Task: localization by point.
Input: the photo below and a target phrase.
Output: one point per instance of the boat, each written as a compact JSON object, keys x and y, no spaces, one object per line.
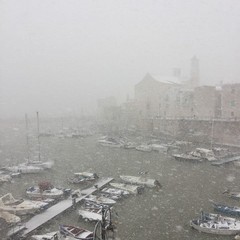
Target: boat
{"x":19,"y":207}
{"x":127,"y":187}
{"x":91,"y":212}
{"x":44,"y":190}
{"x":231,"y":194}
{"x":141,"y":181}
{"x":217,"y":225}
{"x":159,"y":148}
{"x":10,"y":218}
{"x":187,"y":157}
{"x":110,"y":142}
{"x":37,"y":163}
{"x":204,"y":154}
{"x":144,"y":148}
{"x":114,"y":193}
{"x":100,"y":199}
{"x":129,"y":145}
{"x":24,"y":169}
{"x":75,"y":232}
{"x":82,"y":177}
{"x":235,"y":211}
{"x":48,"y":236}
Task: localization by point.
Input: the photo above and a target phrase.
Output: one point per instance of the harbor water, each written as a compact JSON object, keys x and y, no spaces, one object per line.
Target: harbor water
{"x":188,"y":188}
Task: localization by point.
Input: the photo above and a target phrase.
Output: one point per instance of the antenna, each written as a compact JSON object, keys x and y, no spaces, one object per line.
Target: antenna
{"x":27,"y":139}
{"x":38,"y":136}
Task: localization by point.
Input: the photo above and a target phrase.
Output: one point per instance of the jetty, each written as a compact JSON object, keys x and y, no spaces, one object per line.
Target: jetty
{"x":50,"y":213}
{"x":226,"y":160}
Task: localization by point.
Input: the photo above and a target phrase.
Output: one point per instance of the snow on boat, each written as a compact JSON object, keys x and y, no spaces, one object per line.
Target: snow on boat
{"x":235,"y":211}
{"x":76,"y":232}
{"x":129,"y":145}
{"x":234,"y":195}
{"x":44,"y":190}
{"x":114,"y":192}
{"x":187,"y":157}
{"x":216,"y":225}
{"x":159,"y":148}
{"x":48,"y":236}
{"x":5,"y":178}
{"x":100,"y":199}
{"x":141,"y":181}
{"x":19,"y":207}
{"x":91,"y":212}
{"x":82,"y":177}
{"x":110,"y":142}
{"x":10,"y":218}
{"x":40,"y":164}
{"x":22,"y":168}
{"x":144,"y":148}
{"x":127,"y":187}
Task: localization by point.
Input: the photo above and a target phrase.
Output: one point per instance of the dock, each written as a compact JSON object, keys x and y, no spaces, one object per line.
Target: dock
{"x":50,"y":213}
{"x":227,"y":160}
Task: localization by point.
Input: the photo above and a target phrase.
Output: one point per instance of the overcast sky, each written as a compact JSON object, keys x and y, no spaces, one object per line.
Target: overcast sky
{"x":60,"y":56}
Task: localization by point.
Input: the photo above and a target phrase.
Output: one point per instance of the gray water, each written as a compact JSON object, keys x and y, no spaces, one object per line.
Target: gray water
{"x":187,"y":189}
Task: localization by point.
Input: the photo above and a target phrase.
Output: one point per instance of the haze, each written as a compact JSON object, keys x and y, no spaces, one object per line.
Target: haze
{"x":59,"y":57}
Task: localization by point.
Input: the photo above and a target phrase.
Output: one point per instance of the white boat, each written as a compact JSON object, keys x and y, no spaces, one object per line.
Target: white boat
{"x":40,"y":164}
{"x":127,"y":187}
{"x":19,"y":207}
{"x":129,"y":145}
{"x":10,"y":218}
{"x":48,"y":236}
{"x":100,"y":199}
{"x":110,"y":142}
{"x":159,"y":148}
{"x":22,"y":168}
{"x":81,"y":177}
{"x":141,"y":181}
{"x":115,"y":191}
{"x":91,"y":212}
{"x":144,"y":148}
{"x":216,"y":225}
{"x":44,"y":190}
{"x":76,"y":232}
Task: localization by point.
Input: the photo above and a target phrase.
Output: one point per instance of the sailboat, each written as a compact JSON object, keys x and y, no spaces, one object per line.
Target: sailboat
{"x":37,"y":163}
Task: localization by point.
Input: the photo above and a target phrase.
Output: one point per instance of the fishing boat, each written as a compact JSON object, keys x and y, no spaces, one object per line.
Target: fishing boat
{"x":19,"y":207}
{"x":75,"y":232}
{"x":141,"y":181}
{"x":219,"y":225}
{"x":82,"y":177}
{"x":44,"y":190}
{"x":235,"y":211}
{"x":100,"y":199}
{"x":127,"y":187}
{"x":5,"y":178}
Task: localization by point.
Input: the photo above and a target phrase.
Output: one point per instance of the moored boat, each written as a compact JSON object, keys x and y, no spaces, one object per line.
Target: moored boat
{"x":144,"y":148}
{"x":141,"y":181}
{"x":187,"y":157}
{"x":76,"y":232}
{"x":127,"y":187}
{"x":217,"y":225}
{"x":81,"y":177}
{"x":10,"y":218}
{"x":235,"y":211}
{"x":44,"y":190}
{"x":48,"y":236}
{"x":100,"y":199}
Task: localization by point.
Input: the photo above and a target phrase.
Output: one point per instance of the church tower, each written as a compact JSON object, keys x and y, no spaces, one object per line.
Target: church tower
{"x":194,"y":74}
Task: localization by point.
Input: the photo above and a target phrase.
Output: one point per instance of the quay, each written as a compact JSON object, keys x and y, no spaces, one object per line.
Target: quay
{"x":50,"y":213}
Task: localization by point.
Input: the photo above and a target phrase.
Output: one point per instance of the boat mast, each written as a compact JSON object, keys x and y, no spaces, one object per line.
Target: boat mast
{"x":27,"y":139}
{"x":38,"y":136}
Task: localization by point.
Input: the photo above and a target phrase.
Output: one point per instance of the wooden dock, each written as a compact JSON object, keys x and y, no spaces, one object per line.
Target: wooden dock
{"x":50,"y":213}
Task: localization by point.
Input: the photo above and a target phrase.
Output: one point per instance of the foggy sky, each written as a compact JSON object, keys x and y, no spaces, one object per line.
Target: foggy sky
{"x":60,"y":56}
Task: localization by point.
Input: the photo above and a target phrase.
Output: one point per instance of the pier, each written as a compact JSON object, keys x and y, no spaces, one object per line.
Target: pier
{"x":50,"y":213}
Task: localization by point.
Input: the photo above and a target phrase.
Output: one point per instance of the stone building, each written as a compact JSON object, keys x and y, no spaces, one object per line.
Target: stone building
{"x":230,"y":101}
